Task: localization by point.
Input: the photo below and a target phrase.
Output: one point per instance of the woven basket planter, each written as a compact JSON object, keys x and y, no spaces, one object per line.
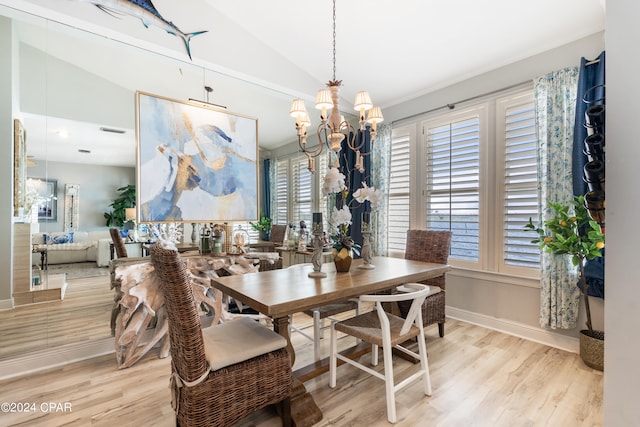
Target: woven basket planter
{"x":592,"y":348}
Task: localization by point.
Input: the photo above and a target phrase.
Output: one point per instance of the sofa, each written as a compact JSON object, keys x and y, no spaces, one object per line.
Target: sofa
{"x":77,"y":246}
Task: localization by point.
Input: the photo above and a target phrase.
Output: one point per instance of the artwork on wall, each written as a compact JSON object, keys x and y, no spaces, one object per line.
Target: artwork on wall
{"x":195,"y":163}
{"x":71,"y":206}
{"x":19,"y":168}
{"x":43,"y":194}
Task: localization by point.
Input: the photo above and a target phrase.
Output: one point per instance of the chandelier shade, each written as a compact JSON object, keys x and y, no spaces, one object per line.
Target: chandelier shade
{"x":363,"y":102}
{"x":298,"y":109}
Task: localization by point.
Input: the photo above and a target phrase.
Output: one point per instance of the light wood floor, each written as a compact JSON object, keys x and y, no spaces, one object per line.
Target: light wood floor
{"x":480,"y":378}
{"x":83,"y":315}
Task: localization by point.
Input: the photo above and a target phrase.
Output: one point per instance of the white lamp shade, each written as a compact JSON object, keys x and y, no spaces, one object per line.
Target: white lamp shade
{"x":323,"y":99}
{"x":298,"y":109}
{"x":363,"y":101}
{"x":375,"y":115}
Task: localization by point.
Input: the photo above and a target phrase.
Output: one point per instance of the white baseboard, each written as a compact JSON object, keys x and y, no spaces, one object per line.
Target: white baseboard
{"x":521,"y":330}
{"x":6,"y":304}
{"x":56,"y":356}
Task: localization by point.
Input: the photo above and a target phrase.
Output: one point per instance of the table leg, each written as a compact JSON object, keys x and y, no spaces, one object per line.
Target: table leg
{"x":281,"y":326}
{"x":304,"y":410}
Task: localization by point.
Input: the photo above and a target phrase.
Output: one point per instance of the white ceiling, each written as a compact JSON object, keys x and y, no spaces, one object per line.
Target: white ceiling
{"x":397,"y":50}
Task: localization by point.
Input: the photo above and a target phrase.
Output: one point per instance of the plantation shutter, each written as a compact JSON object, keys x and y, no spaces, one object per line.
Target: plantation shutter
{"x":453,"y":183}
{"x":280,"y":214}
{"x":398,"y":206}
{"x":520,"y":195}
{"x":302,"y":200}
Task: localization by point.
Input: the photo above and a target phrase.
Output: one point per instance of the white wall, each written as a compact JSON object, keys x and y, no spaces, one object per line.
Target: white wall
{"x":622,"y":343}
{"x":98,"y":185}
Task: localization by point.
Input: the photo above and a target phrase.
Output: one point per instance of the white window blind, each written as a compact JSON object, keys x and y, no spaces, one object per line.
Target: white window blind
{"x":453,"y":182}
{"x":399,"y":203}
{"x":516,"y":117}
{"x":280,"y":211}
{"x":297,"y":194}
{"x":302,"y":190}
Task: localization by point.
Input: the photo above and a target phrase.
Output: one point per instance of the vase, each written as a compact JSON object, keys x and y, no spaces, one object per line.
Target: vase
{"x":592,"y":348}
{"x":342,"y":260}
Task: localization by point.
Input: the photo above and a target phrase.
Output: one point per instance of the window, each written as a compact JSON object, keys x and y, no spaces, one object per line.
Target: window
{"x":297,"y":191}
{"x":452,"y":184}
{"x":472,"y":171}
{"x":302,"y":191}
{"x":399,"y":182}
{"x":280,"y":214}
{"x":519,"y":192}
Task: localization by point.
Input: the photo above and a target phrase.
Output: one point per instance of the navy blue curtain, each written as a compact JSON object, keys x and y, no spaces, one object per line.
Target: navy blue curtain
{"x":590,"y":93}
{"x":266,"y":188}
{"x":354,"y":180}
{"x":590,"y":100}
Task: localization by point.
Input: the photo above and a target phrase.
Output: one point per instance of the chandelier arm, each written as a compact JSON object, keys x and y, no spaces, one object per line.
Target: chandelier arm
{"x":313,"y":153}
{"x":351,"y":141}
{"x":324,"y":129}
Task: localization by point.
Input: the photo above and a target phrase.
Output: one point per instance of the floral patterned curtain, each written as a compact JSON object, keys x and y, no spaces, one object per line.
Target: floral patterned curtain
{"x":555,"y":98}
{"x":381,"y":153}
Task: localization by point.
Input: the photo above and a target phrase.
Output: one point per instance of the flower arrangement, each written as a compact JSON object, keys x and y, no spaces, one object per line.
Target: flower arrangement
{"x":571,"y":231}
{"x":340,"y":218}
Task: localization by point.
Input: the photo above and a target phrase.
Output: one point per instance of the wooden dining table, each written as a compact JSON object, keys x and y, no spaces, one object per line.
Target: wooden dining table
{"x":280,"y":293}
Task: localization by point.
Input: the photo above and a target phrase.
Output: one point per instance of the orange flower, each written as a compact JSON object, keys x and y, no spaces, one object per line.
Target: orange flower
{"x":599,"y":245}
{"x":548,"y":239}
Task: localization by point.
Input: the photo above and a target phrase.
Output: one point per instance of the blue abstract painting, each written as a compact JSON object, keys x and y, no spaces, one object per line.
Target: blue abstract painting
{"x":195,"y":163}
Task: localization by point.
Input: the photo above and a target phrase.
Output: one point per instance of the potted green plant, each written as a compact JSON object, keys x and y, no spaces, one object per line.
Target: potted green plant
{"x":116,"y":217}
{"x":572,"y":232}
{"x":263,"y":226}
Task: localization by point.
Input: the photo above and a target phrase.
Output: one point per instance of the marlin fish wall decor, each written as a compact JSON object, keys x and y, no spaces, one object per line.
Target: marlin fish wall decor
{"x":147,"y":13}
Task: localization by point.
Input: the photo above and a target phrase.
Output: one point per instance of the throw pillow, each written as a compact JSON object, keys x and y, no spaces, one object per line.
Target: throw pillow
{"x":57,"y":240}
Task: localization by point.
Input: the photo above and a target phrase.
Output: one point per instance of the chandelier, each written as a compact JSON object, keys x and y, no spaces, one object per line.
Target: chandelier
{"x":334,"y":129}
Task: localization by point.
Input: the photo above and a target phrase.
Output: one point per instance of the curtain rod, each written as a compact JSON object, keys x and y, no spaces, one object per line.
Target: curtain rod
{"x":452,"y":106}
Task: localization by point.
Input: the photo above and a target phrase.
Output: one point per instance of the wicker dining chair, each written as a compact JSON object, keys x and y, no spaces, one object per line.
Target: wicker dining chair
{"x":118,"y":243}
{"x":225,"y":372}
{"x":277,"y":234}
{"x":429,"y":246}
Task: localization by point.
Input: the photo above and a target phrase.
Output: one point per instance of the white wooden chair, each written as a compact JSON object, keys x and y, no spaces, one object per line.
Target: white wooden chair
{"x":389,"y":331}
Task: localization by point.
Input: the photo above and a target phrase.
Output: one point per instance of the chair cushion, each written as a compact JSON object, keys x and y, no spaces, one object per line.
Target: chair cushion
{"x":239,"y":340}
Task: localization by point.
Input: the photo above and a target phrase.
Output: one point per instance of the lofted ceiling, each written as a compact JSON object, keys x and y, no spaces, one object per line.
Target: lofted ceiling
{"x":281,"y":50}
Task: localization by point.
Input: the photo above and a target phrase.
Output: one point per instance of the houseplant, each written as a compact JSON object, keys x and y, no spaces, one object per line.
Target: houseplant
{"x":572,"y":232}
{"x":263,"y":226}
{"x":117,"y":216}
